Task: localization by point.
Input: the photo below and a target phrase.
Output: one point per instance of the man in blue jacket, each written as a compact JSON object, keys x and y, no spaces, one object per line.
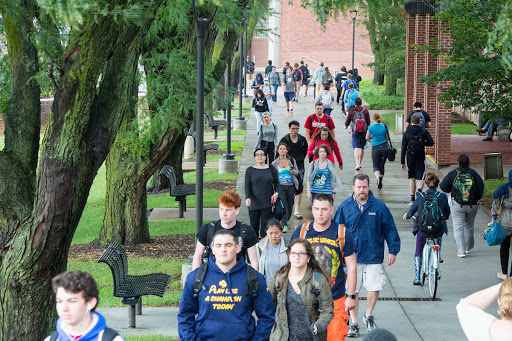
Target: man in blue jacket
{"x":224,"y":304}
{"x":370,"y":222}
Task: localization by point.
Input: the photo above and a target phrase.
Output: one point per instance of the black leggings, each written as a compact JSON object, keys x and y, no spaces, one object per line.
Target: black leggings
{"x":379,"y":157}
{"x":258,"y":219}
{"x":287,"y":194}
{"x":504,"y":254}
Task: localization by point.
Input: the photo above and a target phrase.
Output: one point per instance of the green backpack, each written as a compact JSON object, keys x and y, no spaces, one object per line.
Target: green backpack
{"x":463,"y":188}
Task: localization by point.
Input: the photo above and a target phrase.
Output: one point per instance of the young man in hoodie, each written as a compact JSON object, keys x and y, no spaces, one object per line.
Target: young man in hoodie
{"x":414,"y":141}
{"x":370,"y":223}
{"x":223,"y":309}
{"x":76,"y":296}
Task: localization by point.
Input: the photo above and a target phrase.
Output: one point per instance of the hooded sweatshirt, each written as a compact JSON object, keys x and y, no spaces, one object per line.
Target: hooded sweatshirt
{"x":223,"y":310}
{"x":94,"y":333}
{"x":414,"y":130}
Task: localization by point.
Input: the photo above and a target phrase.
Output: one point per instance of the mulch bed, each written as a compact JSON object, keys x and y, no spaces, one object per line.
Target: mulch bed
{"x":179,"y":245}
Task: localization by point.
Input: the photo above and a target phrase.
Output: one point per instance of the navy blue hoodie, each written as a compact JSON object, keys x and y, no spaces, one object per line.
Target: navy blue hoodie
{"x":225,"y":313}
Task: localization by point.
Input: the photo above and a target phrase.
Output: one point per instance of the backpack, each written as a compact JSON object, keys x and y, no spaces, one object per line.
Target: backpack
{"x":326,"y":98}
{"x":421,"y":114}
{"x":305,"y":72}
{"x":297,"y":75}
{"x":358,"y":122}
{"x":250,"y":66}
{"x":109,"y":334}
{"x":416,"y":145}
{"x":352,"y":95}
{"x":252,"y":284}
{"x":430,"y":215}
{"x":209,"y":239}
{"x":463,"y":188}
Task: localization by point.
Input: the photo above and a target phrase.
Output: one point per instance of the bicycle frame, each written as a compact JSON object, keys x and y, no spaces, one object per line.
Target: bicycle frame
{"x":430,"y":266}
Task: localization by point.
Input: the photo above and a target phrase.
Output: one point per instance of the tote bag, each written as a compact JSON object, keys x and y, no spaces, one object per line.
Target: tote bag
{"x":495,"y":235}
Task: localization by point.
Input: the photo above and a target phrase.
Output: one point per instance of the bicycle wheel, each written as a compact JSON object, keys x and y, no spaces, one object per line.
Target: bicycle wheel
{"x":432,"y":275}
{"x":424,"y":268}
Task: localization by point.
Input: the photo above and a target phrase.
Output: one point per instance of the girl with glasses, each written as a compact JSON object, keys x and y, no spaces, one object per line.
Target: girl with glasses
{"x":302,"y":296}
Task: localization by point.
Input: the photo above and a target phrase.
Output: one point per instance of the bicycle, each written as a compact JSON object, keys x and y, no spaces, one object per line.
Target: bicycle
{"x":430,"y":267}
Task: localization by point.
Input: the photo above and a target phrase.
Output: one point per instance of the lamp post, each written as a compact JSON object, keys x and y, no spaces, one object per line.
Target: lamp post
{"x":353,"y":16}
{"x":242,"y":78}
{"x":201,"y":28}
{"x":245,"y":53}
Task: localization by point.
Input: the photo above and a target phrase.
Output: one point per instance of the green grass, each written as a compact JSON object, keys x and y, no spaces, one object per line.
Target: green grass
{"x":463,"y":129}
{"x":149,"y":338}
{"x":224,"y":132}
{"x":374,"y":96}
{"x":210,"y":199}
{"x":390,"y":119}
{"x":136,"y":266}
{"x":491,"y":185}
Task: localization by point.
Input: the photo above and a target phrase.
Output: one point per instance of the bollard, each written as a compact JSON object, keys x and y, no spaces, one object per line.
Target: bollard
{"x":399,"y":123}
{"x":188,"y":149}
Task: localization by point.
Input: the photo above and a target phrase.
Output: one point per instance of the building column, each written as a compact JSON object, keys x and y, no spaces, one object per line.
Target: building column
{"x":274,"y":39}
{"x":430,"y":92}
{"x":410,"y":81}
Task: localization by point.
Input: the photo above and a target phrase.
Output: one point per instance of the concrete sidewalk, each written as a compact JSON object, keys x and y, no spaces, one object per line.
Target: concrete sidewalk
{"x":403,"y":312}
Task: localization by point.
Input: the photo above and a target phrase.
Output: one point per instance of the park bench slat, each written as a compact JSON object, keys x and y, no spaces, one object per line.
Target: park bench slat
{"x":180,"y":192}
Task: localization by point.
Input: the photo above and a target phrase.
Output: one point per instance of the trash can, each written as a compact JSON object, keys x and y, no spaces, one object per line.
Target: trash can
{"x":493,"y":166}
{"x":399,"y":123}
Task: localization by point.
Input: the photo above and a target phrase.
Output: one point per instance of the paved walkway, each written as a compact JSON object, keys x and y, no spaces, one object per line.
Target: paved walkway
{"x":408,"y":320}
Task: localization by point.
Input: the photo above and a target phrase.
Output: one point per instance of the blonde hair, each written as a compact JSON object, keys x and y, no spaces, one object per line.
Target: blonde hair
{"x":376,"y":117}
{"x":262,"y":119}
{"x":505,"y":300}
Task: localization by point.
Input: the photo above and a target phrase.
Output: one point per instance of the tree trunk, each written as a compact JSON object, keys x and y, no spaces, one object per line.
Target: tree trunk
{"x":390,"y":85}
{"x":86,"y":115}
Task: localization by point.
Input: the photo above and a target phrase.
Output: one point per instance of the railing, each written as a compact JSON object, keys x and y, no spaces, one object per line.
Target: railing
{"x":316,"y":61}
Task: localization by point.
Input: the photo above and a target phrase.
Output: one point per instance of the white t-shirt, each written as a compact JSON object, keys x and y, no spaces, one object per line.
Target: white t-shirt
{"x":475,"y":322}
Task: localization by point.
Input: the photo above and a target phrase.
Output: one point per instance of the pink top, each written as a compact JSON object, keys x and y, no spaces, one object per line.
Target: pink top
{"x":314,"y":143}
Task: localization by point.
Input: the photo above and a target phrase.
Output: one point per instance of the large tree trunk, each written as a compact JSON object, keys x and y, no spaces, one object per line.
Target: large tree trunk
{"x":390,"y":85}
{"x":86,"y":115}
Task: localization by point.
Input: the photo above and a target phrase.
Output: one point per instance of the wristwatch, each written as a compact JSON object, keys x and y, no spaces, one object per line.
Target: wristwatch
{"x":352,"y":296}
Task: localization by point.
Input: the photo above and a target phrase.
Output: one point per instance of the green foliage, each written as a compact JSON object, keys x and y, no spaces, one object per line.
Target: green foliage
{"x":500,"y":40}
{"x":491,"y":185}
{"x":390,"y":119}
{"x":375,"y":97}
{"x":478,"y":80}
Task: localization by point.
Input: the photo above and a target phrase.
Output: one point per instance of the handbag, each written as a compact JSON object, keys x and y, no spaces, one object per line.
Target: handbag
{"x":494,"y":234}
{"x":391,"y":150}
{"x":278,"y":209}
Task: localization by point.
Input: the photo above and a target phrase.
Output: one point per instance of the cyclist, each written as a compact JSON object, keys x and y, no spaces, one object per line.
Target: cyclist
{"x":432,"y":181}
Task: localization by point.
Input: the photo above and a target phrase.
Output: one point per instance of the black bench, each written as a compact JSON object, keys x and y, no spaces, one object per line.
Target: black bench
{"x":214,"y":124}
{"x":206,"y":148}
{"x":132,"y":288}
{"x":180,"y":192}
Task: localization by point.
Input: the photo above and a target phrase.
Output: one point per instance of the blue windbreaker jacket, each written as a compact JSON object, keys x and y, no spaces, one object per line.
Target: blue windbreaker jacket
{"x":225,"y":313}
{"x":369,"y":228}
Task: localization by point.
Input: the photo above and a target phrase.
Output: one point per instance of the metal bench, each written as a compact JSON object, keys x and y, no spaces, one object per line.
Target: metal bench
{"x":132,"y":288}
{"x":206,"y":148}
{"x":180,"y":192}
{"x":214,"y":124}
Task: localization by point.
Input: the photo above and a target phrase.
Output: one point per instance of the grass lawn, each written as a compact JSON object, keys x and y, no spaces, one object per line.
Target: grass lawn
{"x":374,"y":96}
{"x":223,"y":132}
{"x":491,"y":185}
{"x":463,"y":129}
{"x":390,"y":119}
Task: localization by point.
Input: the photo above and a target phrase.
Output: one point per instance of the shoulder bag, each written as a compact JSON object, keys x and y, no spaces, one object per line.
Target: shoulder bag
{"x":391,"y":150}
{"x":494,"y":234}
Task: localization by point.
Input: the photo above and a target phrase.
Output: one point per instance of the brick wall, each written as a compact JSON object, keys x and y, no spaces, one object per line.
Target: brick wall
{"x":302,"y":35}
{"x":259,"y":51}
{"x":421,"y":29}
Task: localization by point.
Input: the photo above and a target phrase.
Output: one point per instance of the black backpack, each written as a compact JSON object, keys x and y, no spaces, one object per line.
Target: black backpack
{"x":252,"y":284}
{"x":430,"y":214}
{"x":416,"y":145}
{"x":296,"y":75}
{"x":463,"y":188}
{"x":209,"y":240}
{"x":109,"y":334}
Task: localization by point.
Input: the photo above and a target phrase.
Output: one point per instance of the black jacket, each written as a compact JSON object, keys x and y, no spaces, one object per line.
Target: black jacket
{"x":297,"y":150}
{"x":447,"y":183}
{"x":414,"y":130}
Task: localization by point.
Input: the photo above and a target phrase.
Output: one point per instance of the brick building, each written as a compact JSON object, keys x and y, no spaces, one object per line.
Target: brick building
{"x":297,"y":35}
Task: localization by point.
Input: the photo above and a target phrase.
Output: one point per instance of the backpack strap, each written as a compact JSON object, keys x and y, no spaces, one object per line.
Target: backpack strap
{"x":54,"y":336}
{"x":199,"y":280}
{"x":243,"y":232}
{"x":304,"y":228}
{"x":209,"y":239}
{"x":252,"y":282}
{"x":109,"y":334}
{"x":341,"y":238}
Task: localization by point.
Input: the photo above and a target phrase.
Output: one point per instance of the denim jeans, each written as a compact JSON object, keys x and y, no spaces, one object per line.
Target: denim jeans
{"x":274,"y":98}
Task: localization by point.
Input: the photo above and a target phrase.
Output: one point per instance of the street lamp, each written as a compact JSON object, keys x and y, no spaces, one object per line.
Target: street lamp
{"x":245,"y":53}
{"x":353,"y":16}
{"x":242,"y":68}
{"x":201,"y":28}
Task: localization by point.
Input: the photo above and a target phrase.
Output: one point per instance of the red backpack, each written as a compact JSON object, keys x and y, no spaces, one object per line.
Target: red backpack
{"x":358,"y":122}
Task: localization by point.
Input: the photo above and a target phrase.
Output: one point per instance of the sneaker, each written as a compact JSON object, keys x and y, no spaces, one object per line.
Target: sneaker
{"x":370,"y":323}
{"x":353,"y":330}
{"x":416,"y":282}
{"x":285,"y":228}
{"x":358,"y":167}
{"x":502,"y":276}
{"x":487,"y":139}
{"x":461,"y":255}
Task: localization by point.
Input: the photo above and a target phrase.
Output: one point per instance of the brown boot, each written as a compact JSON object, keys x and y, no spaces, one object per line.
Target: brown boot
{"x":487,"y":139}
